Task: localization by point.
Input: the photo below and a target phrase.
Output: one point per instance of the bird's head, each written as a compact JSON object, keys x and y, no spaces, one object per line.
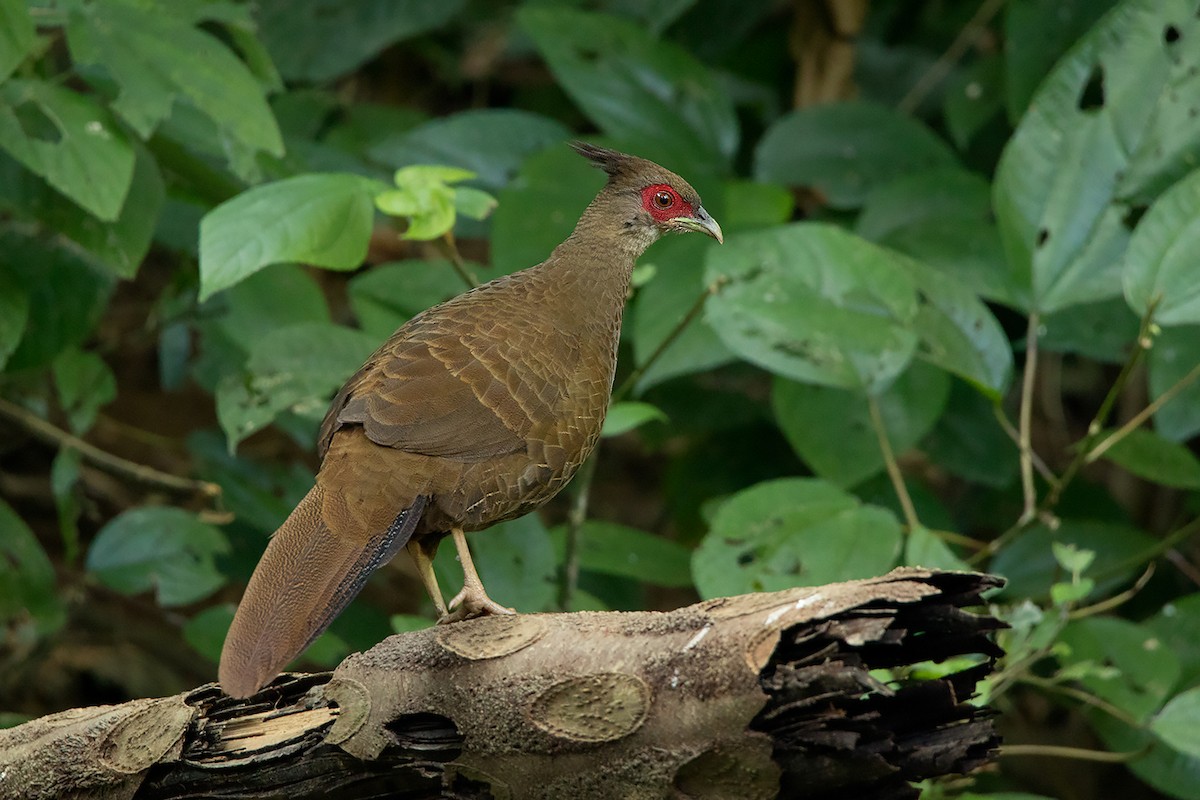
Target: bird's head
{"x":648,"y":199}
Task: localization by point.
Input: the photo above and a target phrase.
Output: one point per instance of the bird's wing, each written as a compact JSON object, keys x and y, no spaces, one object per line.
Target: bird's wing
{"x":444,"y":387}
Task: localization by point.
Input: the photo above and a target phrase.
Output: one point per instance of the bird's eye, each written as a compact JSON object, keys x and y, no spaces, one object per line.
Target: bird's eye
{"x":663,"y":199}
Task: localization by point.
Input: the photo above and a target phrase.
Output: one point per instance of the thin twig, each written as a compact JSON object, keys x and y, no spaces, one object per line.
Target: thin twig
{"x":1058,"y":751}
{"x":1096,"y":426}
{"x":636,"y":375}
{"x":945,"y":63}
{"x":575,"y":519}
{"x":1025,"y":422}
{"x":1040,"y":465}
{"x":1181,"y":563}
{"x":1087,"y":698}
{"x":1117,"y":599}
{"x":450,"y":247}
{"x":1137,"y":419}
{"x":893,"y":469}
{"x":115,"y":464}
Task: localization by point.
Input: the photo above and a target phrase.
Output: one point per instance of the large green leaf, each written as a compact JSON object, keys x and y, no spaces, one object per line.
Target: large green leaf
{"x":969,"y":442}
{"x":67,"y":293}
{"x":1104,"y":331}
{"x":388,"y":295}
{"x":1175,"y":354}
{"x":161,"y":548}
{"x":1148,"y":455}
{"x":843,"y":150}
{"x":319,"y":40}
{"x":294,"y":368}
{"x":159,"y":58}
{"x":492,"y":142}
{"x":85,"y":384}
{"x":14,"y":313}
{"x":1160,"y":265}
{"x":1110,"y":126}
{"x":322,"y":219}
{"x":272,"y":298}
{"x":1178,"y":625}
{"x":813,"y":303}
{"x":17,"y":35}
{"x":1145,"y":670}
{"x":27,"y":583}
{"x":612,"y":549}
{"x":793,"y":532}
{"x":831,"y":428}
{"x":1178,"y":723}
{"x":650,"y":94}
{"x":69,"y":140}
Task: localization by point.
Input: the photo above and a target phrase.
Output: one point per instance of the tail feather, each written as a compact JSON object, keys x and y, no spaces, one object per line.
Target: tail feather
{"x":306,"y":577}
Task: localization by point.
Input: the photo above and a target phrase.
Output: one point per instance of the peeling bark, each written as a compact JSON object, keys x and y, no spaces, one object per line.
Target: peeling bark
{"x":759,"y":696}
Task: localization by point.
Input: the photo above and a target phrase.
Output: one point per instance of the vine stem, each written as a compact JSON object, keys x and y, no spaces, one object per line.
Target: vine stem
{"x":116,"y":465}
{"x":1025,"y":422}
{"x":1087,"y":698}
{"x":1143,"y":415}
{"x":893,"y":468}
{"x":450,"y":246}
{"x":946,"y":61}
{"x":1058,"y":751}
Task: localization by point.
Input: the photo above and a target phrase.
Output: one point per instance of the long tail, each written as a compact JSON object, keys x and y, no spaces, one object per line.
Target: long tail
{"x":305,"y":578}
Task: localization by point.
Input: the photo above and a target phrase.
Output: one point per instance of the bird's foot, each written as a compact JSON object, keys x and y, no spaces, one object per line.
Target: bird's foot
{"x":472,"y":602}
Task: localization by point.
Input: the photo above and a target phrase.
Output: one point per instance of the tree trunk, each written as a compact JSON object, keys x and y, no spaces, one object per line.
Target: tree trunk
{"x":801,"y":693}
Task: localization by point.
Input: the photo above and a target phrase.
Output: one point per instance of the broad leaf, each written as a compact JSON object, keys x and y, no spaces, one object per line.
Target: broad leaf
{"x":924,"y":548}
{"x":206,"y":631}
{"x":1160,"y":265}
{"x":813,"y":303}
{"x":650,"y":94}
{"x":1178,"y":723}
{"x":831,"y":428}
{"x":85,"y":384}
{"x":1175,"y":354}
{"x":69,"y":140}
{"x":793,"y":532}
{"x":1145,"y":670}
{"x":295,"y":368}
{"x":969,"y":442}
{"x":322,"y":219}
{"x":626,"y":416}
{"x":387,"y":296}
{"x":974,"y":98}
{"x":14,"y":313}
{"x":159,"y":59}
{"x":843,"y":150}
{"x":27,"y":583}
{"x":1104,"y":331}
{"x":1159,"y":460}
{"x":161,"y":548}
{"x":1178,"y":625}
{"x":17,"y":35}
{"x":611,"y":549}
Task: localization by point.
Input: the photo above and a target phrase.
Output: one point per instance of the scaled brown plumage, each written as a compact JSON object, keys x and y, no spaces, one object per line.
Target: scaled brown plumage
{"x":476,"y":411}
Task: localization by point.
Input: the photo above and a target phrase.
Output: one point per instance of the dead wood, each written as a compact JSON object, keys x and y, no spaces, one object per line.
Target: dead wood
{"x":801,"y":693}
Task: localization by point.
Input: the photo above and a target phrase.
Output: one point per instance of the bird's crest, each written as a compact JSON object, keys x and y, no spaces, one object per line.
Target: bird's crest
{"x":611,"y":161}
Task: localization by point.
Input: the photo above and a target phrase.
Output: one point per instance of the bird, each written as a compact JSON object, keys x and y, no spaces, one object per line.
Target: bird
{"x":475,"y":411}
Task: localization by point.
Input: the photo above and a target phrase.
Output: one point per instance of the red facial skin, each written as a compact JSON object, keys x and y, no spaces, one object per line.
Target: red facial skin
{"x":678,"y":207}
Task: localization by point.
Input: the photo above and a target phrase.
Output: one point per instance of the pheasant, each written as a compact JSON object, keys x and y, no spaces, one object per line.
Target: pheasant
{"x":476,"y":411}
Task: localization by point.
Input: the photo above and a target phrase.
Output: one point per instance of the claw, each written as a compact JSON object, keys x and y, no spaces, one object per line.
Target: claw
{"x":473,"y":600}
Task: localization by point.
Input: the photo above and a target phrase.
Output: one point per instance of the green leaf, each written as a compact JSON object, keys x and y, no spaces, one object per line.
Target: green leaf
{"x":1175,"y":354}
{"x":492,"y":142}
{"x":17,"y":35}
{"x":387,"y":296}
{"x":321,"y":40}
{"x":1178,"y":724}
{"x":64,"y":480}
{"x":523,"y":233}
{"x":793,"y":532}
{"x":1110,"y":126}
{"x":813,"y":303}
{"x":924,"y":548}
{"x":161,"y":548}
{"x":27,"y":583}
{"x":1074,"y":560}
{"x":274,"y":297}
{"x":611,"y":549}
{"x":206,"y":631}
{"x":406,"y":623}
{"x":67,"y":294}
{"x":516,"y":563}
{"x":322,"y":219}
{"x":70,"y":141}
{"x":85,"y":384}
{"x":974,"y":98}
{"x":1103,"y":331}
{"x":1145,"y":669}
{"x":624,"y":417}
{"x":1159,"y":460}
{"x":1029,"y":565}
{"x":14,"y":313}
{"x":1159,"y":269}
{"x":843,"y":150}
{"x":1177,"y":623}
{"x":650,"y":94}
{"x":969,"y":442}
{"x":831,"y":428}
{"x":295,"y":368}
{"x":158,"y":59}
{"x":473,"y":203}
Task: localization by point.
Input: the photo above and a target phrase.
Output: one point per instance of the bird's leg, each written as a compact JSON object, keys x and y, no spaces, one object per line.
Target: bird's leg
{"x":472,"y":601}
{"x":424,"y":560}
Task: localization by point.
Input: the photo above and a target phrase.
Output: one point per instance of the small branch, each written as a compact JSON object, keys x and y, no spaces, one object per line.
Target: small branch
{"x":1086,"y":698}
{"x":1040,"y":465}
{"x":1143,"y":415}
{"x":575,"y":519}
{"x":1116,"y":600}
{"x":631,"y":380}
{"x":1025,"y":422}
{"x":945,"y":63}
{"x":450,"y":248}
{"x":1057,"y":751}
{"x":1181,"y":563}
{"x":1096,"y":426}
{"x":893,"y":469}
{"x":114,"y":464}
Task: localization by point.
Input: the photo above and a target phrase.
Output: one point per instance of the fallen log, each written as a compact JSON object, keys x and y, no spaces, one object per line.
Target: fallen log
{"x":800,"y":693}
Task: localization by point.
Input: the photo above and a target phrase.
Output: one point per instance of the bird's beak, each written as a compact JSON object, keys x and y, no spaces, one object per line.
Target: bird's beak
{"x":702,"y":223}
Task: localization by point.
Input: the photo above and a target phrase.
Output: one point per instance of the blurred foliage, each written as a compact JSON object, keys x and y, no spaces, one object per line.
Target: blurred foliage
{"x":956,"y":322}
